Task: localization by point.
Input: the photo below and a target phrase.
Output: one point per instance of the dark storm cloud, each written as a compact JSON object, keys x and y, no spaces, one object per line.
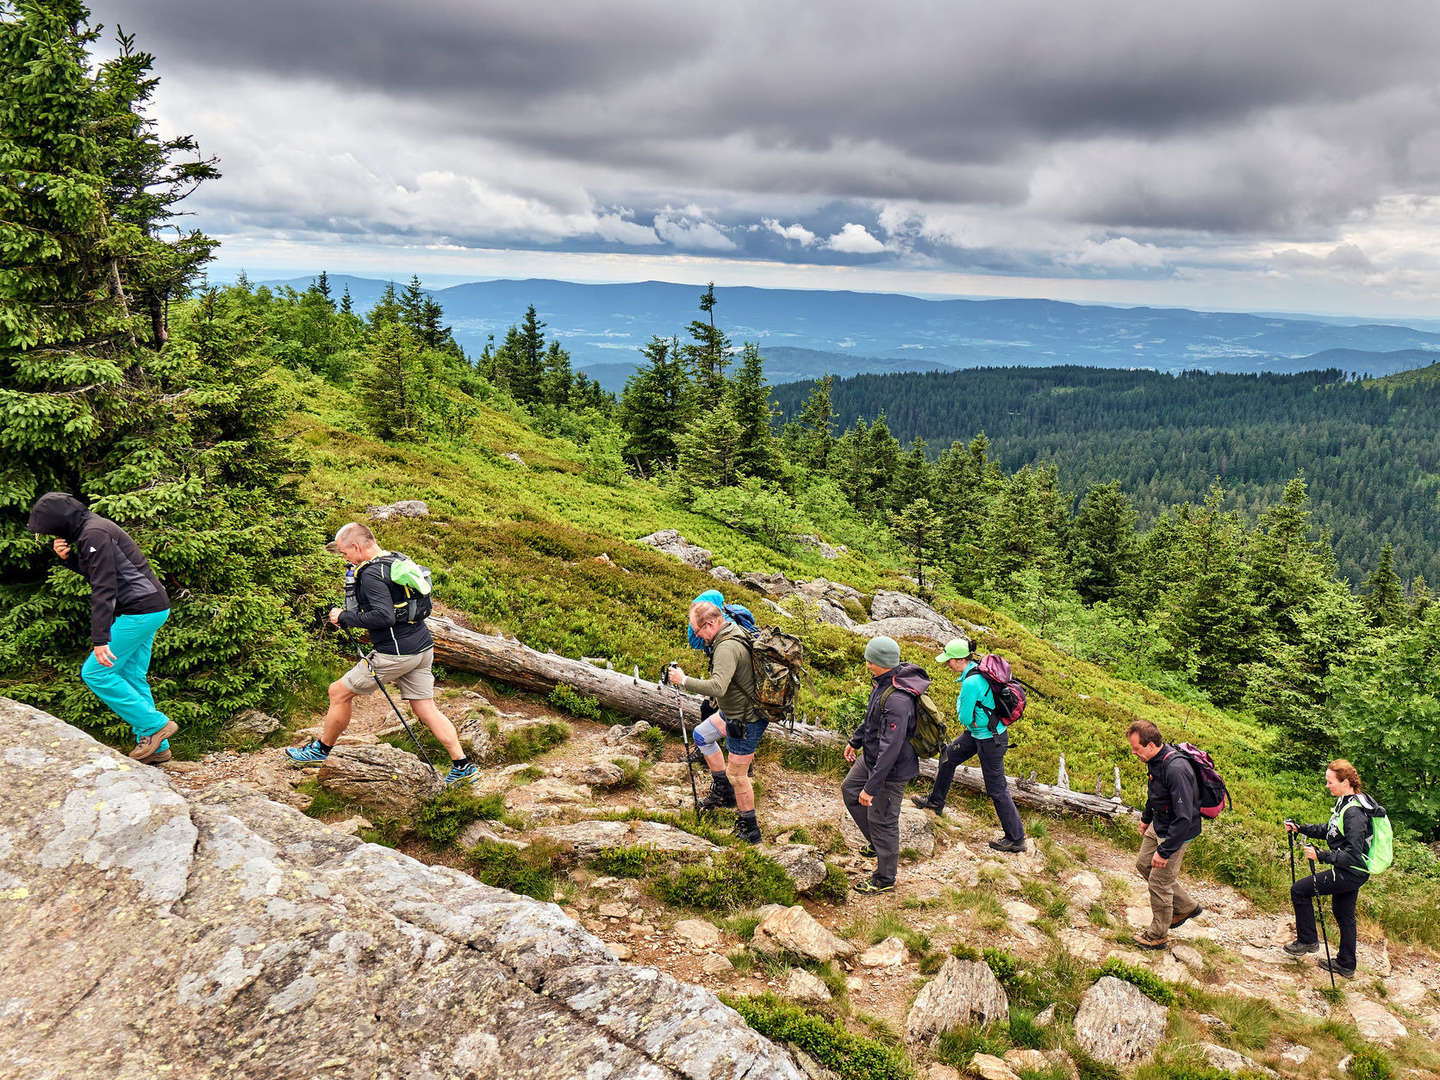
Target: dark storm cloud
{"x":1223,"y":117}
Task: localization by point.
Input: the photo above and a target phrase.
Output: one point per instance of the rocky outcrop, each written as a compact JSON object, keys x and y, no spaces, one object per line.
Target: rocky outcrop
{"x":964,"y":992}
{"x":672,"y":543}
{"x":387,"y":780}
{"x":826,"y":551}
{"x":146,"y":935}
{"x":590,"y":838}
{"x":405,"y":508}
{"x":1117,"y":1024}
{"x":802,"y":864}
{"x":254,"y":724}
{"x":725,"y":574}
{"x":795,"y":930}
{"x":900,"y":615}
{"x":800,"y":985}
{"x":1374,"y":1021}
{"x":774,"y":586}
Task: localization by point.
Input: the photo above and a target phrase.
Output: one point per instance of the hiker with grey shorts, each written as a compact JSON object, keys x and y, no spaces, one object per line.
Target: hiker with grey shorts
{"x":403,"y":655}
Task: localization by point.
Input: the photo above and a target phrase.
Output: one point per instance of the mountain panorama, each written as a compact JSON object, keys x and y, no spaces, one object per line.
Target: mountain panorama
{"x":804,"y":334}
{"x":381,"y":702}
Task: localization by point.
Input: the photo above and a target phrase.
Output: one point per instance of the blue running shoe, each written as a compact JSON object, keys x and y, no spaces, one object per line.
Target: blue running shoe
{"x":312,"y":753}
{"x":461,"y":774}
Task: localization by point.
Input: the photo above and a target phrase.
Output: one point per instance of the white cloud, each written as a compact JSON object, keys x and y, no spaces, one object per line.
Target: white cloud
{"x":1119,"y":253}
{"x":684,"y":231}
{"x":790,"y":232}
{"x":854,"y":239}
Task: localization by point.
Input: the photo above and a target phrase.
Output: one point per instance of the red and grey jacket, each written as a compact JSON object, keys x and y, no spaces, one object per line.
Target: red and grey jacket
{"x":121,"y":581}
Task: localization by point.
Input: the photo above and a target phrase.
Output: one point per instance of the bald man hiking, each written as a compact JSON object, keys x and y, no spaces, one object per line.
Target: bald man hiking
{"x":128,"y":605}
{"x":403,"y":653}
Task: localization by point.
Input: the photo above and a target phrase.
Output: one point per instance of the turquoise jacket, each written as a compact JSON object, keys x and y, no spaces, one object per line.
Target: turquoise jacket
{"x":974,"y":702}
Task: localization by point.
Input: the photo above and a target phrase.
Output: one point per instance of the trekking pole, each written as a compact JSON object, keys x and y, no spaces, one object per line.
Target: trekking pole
{"x":1291,"y":837}
{"x":685,"y":748}
{"x":365,"y":659}
{"x":1320,"y":914}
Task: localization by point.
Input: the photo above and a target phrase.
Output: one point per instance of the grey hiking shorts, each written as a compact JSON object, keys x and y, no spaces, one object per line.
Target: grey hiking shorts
{"x":410,"y":675}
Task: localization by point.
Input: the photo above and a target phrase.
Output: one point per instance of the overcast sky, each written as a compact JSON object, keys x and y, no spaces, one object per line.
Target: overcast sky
{"x":1272,"y":156}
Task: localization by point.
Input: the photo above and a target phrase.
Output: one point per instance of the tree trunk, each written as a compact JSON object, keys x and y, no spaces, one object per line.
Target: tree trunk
{"x":507,"y":660}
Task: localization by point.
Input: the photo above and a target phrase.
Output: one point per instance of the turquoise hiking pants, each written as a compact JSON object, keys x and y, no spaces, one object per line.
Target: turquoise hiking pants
{"x":124,"y":687}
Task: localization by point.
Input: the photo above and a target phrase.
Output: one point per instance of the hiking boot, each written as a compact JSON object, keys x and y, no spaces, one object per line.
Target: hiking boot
{"x":1180,"y":919}
{"x":925,"y":804}
{"x":147,"y":745}
{"x":1008,"y":845}
{"x":157,"y":758}
{"x":312,"y":753}
{"x":722,"y":795}
{"x":747,"y":828}
{"x":1300,"y":948}
{"x":869,"y":885}
{"x":461,"y":774}
{"x":1145,"y":941}
{"x":868,"y":851}
{"x":1334,"y":966}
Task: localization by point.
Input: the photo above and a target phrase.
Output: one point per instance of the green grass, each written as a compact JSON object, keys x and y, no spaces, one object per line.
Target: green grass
{"x":1147,"y":982}
{"x":527,"y":742}
{"x":849,"y":1056}
{"x":530,"y":871}
{"x":958,"y":1045}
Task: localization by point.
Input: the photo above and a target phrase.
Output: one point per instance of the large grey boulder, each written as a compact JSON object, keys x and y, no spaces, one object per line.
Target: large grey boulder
{"x":963,"y":992}
{"x":795,"y":930}
{"x":1117,"y":1024}
{"x":803,"y":864}
{"x":672,"y":543}
{"x":227,"y":936}
{"x":774,"y":586}
{"x":405,"y":508}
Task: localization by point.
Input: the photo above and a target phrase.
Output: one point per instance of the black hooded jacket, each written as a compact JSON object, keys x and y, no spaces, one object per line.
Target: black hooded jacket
{"x":121,"y":581}
{"x":1173,"y":803}
{"x":884,"y":735}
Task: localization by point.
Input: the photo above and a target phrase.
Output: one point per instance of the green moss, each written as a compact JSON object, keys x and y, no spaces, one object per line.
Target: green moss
{"x":849,"y":1056}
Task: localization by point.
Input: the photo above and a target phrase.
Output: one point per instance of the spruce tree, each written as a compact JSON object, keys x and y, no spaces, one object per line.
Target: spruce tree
{"x":1384,"y":601}
{"x":653,"y":407}
{"x":558,"y":382}
{"x":913,"y":477}
{"x":708,"y":354}
{"x":347,"y":305}
{"x":816,"y":420}
{"x":749,"y":397}
{"x":1104,"y":550}
{"x":527,"y":375}
{"x":322,"y":285}
{"x":917,"y":528}
{"x":709,"y":450}
{"x":392,"y":388}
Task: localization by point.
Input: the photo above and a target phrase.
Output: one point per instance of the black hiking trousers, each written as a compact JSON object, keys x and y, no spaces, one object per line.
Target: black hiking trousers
{"x":991,"y":752}
{"x":1343,"y":892}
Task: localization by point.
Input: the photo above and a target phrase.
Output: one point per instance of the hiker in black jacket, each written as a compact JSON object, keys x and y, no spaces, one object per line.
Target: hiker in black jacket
{"x":882,"y":759}
{"x":1171,"y":819}
{"x":1347,"y":834}
{"x":128,"y":605}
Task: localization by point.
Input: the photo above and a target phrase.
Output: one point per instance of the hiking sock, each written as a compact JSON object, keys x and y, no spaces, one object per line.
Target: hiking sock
{"x":324,"y":747}
{"x":460,"y":762}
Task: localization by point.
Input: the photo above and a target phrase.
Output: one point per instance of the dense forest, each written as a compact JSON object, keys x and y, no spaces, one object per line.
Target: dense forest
{"x":1369,"y":450}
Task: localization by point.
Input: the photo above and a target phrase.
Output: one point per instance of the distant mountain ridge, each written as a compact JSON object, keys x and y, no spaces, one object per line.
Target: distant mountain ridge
{"x":806,"y":333}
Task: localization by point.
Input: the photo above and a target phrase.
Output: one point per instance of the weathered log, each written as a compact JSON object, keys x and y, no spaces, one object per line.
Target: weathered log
{"x":507,"y":660}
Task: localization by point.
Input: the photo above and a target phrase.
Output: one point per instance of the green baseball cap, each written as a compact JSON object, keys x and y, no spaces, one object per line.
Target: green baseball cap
{"x":957,"y":649}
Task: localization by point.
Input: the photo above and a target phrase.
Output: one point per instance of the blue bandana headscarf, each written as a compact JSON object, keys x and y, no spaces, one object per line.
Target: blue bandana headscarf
{"x":712,"y":596}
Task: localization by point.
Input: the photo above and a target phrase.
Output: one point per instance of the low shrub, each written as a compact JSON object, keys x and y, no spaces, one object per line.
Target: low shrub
{"x":835,"y":889}
{"x":633,"y":861}
{"x":1147,"y":982}
{"x":1370,"y":1063}
{"x":849,"y":1056}
{"x":527,"y":742}
{"x":442,"y":818}
{"x":574,"y":702}
{"x":737,"y":878}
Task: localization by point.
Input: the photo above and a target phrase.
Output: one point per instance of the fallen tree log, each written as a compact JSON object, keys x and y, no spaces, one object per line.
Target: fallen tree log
{"x":509,"y":661}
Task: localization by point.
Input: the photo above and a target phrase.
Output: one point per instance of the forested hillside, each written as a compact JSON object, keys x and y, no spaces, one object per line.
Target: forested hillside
{"x":1370,"y":451}
{"x":233,"y":429}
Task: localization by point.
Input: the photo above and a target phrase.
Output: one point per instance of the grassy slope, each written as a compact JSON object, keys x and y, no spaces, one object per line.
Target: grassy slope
{"x":515,"y":548}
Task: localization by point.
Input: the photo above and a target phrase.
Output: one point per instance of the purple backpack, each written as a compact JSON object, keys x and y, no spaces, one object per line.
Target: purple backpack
{"x":1008,"y":691}
{"x":1214,"y":795}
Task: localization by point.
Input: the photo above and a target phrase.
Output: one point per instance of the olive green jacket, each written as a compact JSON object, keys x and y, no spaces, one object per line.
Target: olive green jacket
{"x":731,"y":684}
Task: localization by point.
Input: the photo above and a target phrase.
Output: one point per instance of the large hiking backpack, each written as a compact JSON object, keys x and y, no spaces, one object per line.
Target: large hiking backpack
{"x":1008,"y":692}
{"x":1380,"y":852}
{"x":776,"y":661}
{"x":1210,"y":786}
{"x":930,"y":735}
{"x":409,"y":584}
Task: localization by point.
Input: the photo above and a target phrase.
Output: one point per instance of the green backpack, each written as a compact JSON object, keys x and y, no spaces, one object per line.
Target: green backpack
{"x":1381,"y":850}
{"x":930,"y":735}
